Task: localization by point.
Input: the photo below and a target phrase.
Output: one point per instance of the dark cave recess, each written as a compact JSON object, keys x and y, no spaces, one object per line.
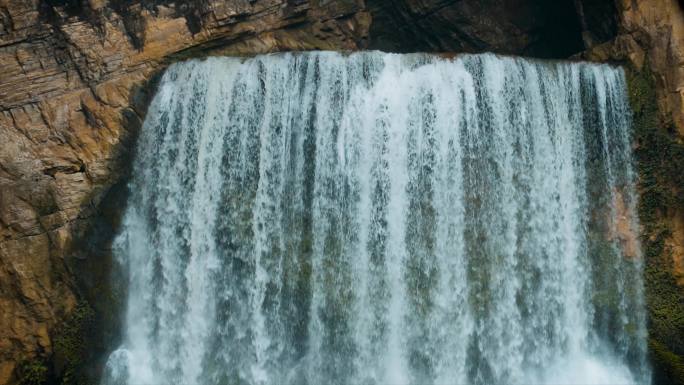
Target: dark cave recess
{"x":536,"y":28}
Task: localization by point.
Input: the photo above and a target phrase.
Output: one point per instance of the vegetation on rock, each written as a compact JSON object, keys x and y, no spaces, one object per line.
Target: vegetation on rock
{"x":660,"y":161}
{"x":71,"y":345}
{"x":33,"y":372}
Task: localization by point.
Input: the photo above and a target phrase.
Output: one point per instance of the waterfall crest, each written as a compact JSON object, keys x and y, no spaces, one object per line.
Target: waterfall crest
{"x":372,"y":218}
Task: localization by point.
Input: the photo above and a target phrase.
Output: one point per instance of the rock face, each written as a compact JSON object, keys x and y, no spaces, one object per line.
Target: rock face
{"x":76,"y":76}
{"x":652,"y":32}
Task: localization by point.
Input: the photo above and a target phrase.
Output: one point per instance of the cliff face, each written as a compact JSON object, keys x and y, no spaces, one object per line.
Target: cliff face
{"x":651,"y":33}
{"x":75,"y":80}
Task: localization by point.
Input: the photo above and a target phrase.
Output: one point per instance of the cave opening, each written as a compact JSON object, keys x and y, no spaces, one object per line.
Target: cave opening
{"x":535,"y":28}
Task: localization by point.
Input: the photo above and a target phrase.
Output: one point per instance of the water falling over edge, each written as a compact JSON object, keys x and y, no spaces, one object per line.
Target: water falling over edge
{"x":380,"y":218}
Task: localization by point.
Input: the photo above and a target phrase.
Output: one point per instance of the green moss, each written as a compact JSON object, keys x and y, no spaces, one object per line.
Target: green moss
{"x":33,"y":372}
{"x":670,"y":365}
{"x":660,"y":161}
{"x":71,"y":345}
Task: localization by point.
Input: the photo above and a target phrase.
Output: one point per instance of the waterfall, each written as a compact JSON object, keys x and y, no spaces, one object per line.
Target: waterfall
{"x":372,"y":218}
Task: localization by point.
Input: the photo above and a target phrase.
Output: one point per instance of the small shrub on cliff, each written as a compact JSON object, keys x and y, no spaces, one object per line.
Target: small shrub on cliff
{"x":70,"y":345}
{"x":33,"y":372}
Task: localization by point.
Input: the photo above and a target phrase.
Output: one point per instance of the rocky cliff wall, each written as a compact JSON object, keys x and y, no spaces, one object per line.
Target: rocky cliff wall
{"x":76,"y":76}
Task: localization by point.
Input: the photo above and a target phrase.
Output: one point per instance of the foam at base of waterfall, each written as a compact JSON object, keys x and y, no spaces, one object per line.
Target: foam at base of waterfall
{"x":377,"y":219}
{"x":118,"y":369}
{"x":585,"y":369}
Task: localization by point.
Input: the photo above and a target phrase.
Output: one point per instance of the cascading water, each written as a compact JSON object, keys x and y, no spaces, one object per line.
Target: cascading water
{"x":374,"y":218}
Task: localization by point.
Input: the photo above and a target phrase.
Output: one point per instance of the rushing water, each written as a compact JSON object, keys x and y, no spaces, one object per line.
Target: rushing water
{"x":374,"y":218}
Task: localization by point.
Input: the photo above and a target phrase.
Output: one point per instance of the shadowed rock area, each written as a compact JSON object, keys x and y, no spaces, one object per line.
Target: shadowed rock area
{"x":530,"y":28}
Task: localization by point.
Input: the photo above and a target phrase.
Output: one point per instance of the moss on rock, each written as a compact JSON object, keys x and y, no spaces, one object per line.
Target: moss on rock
{"x":660,"y":161}
{"x":33,"y":372}
{"x":71,"y":346}
{"x":669,"y":364}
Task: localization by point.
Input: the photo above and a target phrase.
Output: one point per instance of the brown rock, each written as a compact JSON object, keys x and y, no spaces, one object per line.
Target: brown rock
{"x":622,"y":229}
{"x":660,"y":23}
{"x":676,"y":244}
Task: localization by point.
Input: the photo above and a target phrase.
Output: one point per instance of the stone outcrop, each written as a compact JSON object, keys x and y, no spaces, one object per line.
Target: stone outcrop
{"x":652,"y":32}
{"x":76,"y":77}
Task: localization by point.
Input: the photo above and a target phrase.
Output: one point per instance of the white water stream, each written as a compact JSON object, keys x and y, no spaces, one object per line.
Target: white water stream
{"x":374,"y":218}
